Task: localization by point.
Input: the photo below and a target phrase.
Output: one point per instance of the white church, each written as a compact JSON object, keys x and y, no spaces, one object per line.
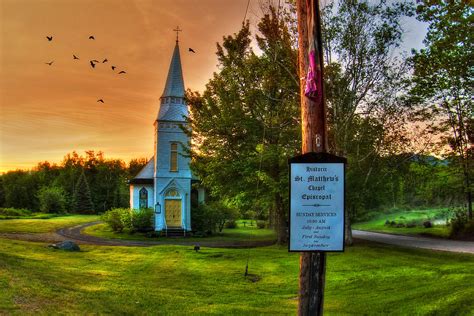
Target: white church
{"x":164,"y":184}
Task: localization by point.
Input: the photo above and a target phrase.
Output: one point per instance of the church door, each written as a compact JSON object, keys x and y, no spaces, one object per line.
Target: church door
{"x":173,"y":213}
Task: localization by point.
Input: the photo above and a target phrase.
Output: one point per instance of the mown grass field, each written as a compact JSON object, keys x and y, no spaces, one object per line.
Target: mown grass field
{"x":241,"y":233}
{"x":378,"y":224}
{"x":43,"y":225}
{"x":368,"y":279}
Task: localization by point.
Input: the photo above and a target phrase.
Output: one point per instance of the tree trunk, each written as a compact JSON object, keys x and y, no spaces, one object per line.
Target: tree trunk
{"x":348,"y":229}
{"x":281,"y":227}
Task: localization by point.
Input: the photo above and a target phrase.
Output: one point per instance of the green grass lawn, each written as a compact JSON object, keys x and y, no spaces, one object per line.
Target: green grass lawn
{"x":368,"y":279}
{"x":378,"y":224}
{"x":43,"y":225}
{"x":241,"y":233}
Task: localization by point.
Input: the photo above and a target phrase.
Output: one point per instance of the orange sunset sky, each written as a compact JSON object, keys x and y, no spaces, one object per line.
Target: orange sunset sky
{"x":48,"y":111}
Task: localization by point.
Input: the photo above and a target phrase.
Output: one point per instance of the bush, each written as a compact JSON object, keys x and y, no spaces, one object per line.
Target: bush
{"x":469,"y":228}
{"x":8,"y":212}
{"x":142,"y":220}
{"x":427,"y":224}
{"x":231,"y":224}
{"x":261,"y":224}
{"x":211,"y":217}
{"x":118,"y":219}
{"x":52,"y":200}
{"x":458,"y":222}
{"x":411,"y":224}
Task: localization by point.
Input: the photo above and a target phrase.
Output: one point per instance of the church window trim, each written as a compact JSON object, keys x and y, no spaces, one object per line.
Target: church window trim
{"x":143,"y":198}
{"x":174,"y":157}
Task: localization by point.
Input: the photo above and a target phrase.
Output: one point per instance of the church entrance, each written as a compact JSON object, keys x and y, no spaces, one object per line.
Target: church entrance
{"x":173,"y":213}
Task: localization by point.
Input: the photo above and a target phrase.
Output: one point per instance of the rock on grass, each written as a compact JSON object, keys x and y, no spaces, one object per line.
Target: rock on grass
{"x":67,"y":245}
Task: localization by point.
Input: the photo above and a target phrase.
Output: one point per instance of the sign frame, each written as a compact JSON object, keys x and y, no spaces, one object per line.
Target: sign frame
{"x":313,"y":157}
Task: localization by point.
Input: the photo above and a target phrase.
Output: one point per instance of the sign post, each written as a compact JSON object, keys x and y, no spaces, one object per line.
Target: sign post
{"x":314,"y":139}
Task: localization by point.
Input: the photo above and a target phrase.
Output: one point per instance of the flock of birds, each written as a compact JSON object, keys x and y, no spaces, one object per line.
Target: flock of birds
{"x":94,"y":62}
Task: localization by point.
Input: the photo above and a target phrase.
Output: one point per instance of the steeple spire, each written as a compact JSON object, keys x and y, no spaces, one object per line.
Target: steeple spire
{"x":174,"y":82}
{"x":172,"y":104}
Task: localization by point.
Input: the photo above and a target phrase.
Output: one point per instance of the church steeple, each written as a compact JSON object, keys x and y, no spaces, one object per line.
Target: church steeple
{"x":174,"y":82}
{"x":172,"y":105}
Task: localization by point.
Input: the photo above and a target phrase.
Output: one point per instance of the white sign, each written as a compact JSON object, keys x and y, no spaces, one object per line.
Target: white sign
{"x":316,"y":207}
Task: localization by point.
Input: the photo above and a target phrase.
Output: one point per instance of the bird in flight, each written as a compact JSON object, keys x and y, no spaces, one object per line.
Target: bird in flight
{"x":122,"y":72}
{"x":92,"y":64}
{"x":191,"y":50}
{"x":113,"y":67}
{"x":92,"y":37}
{"x":105,"y":60}
{"x":50,"y":63}
{"x":50,"y":38}
{"x":75,"y":57}
{"x":100,"y":100}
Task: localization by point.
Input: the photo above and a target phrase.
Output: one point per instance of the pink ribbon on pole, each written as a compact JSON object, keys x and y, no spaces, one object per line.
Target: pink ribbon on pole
{"x":313,"y":78}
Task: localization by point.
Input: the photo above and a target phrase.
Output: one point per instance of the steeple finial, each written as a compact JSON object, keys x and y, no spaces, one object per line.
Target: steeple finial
{"x":177,"y":30}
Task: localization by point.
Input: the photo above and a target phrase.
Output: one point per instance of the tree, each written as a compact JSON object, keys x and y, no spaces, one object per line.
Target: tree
{"x":135,"y":165}
{"x":363,"y":81}
{"x":82,"y":196}
{"x":246,"y":123}
{"x":20,"y":188}
{"x":443,"y":79}
{"x":52,"y":200}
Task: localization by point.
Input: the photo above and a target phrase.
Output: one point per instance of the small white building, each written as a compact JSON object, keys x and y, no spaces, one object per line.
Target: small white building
{"x":164,"y":184}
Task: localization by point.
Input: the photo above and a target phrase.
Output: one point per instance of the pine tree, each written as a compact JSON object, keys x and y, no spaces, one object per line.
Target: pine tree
{"x":82,"y":196}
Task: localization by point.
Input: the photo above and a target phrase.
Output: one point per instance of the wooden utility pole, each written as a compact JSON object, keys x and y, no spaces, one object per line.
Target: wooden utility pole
{"x":313,"y":114}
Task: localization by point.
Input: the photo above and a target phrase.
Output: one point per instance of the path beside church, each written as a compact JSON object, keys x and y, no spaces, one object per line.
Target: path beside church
{"x":75,"y":234}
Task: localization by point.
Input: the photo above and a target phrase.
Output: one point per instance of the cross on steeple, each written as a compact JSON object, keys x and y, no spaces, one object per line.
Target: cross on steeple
{"x":177,"y":30}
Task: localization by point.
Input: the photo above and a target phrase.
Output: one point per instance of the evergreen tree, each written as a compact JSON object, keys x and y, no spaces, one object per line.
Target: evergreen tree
{"x":82,"y":196}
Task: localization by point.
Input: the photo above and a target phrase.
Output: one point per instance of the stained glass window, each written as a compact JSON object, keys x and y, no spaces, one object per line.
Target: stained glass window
{"x":143,"y":198}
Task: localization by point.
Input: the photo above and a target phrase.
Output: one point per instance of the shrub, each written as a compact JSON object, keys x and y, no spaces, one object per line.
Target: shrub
{"x":387,"y":222}
{"x":411,"y":224}
{"x":469,"y":228}
{"x":8,"y":212}
{"x":118,"y":219}
{"x":52,"y":200}
{"x":211,"y":217}
{"x":142,"y":220}
{"x":261,"y":224}
{"x":231,"y":224}
{"x":427,"y":224}
{"x":458,"y":222}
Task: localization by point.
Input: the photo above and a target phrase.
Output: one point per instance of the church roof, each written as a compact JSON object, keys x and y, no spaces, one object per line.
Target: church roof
{"x":174,"y":82}
{"x":147,"y":171}
{"x":173,"y":112}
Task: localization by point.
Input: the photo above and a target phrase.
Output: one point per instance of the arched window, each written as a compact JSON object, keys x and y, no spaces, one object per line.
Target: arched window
{"x":174,"y":157}
{"x":143,"y":198}
{"x":172,"y":193}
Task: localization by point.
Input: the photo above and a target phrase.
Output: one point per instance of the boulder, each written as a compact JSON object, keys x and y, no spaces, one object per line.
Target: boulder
{"x":67,"y":245}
